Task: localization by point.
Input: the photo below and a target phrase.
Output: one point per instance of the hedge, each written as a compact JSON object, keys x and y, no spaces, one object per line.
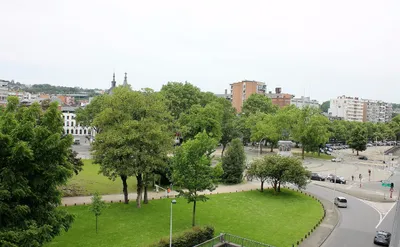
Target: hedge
{"x":192,"y":237}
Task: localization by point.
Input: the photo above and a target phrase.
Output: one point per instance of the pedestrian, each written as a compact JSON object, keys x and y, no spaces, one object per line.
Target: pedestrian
{"x":352,"y":177}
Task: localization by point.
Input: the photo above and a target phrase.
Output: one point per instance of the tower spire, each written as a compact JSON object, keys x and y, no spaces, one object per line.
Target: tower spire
{"x":125,"y":80}
{"x":113,"y":82}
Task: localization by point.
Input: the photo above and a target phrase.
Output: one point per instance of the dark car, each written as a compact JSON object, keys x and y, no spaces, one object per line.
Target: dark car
{"x":338,"y":180}
{"x":363,"y":158}
{"x":318,"y":177}
{"x":382,"y":238}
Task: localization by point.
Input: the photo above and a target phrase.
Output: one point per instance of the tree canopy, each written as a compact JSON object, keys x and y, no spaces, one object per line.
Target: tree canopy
{"x":34,"y":162}
{"x":358,"y":138}
{"x":233,"y":163}
{"x":258,"y":103}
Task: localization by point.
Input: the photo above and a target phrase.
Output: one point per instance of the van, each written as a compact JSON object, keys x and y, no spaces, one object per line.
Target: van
{"x":340,"y":202}
{"x":77,"y":142}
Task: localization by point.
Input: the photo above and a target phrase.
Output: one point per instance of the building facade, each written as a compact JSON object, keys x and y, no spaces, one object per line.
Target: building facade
{"x":71,"y":126}
{"x":303,"y":102}
{"x":3,"y":92}
{"x":241,"y":91}
{"x":376,"y":111}
{"x":280,"y":99}
{"x":347,"y":108}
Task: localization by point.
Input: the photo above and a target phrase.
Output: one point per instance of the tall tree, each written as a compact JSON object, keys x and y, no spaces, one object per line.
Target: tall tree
{"x":181,"y":97}
{"x":394,"y":125}
{"x":325,"y":106}
{"x":358,"y":138}
{"x":199,"y":119}
{"x":263,"y":127}
{"x":229,"y":123}
{"x":311,"y":130}
{"x":258,"y":103}
{"x":233,"y":163}
{"x":33,"y":164}
{"x":135,"y":136}
{"x":85,"y":116}
{"x":192,"y":169}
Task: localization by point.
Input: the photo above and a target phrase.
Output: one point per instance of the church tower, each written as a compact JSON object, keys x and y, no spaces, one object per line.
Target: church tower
{"x":125,"y":80}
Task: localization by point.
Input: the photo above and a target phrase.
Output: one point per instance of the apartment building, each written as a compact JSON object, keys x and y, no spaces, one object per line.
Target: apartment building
{"x":377,"y":111}
{"x":304,"y":101}
{"x":347,"y":108}
{"x":280,"y":99}
{"x":3,"y":92}
{"x":241,"y":91}
{"x":70,"y":124}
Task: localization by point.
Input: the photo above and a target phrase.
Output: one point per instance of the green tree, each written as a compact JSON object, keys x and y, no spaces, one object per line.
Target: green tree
{"x":311,"y":130}
{"x":135,"y":136}
{"x":338,"y":131}
{"x":258,"y":103}
{"x":192,"y":169}
{"x":97,"y":206}
{"x":85,"y":116}
{"x":233,"y":163}
{"x":279,"y":170}
{"x":75,"y":161}
{"x":358,"y":138}
{"x":33,"y":165}
{"x":325,"y":106}
{"x":394,"y":125}
{"x":181,"y":97}
{"x":263,"y":127}
{"x":199,"y":119}
{"x":229,"y":124}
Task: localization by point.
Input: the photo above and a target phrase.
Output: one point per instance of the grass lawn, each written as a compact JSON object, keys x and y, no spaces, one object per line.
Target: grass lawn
{"x":315,"y":155}
{"x":279,"y":220}
{"x":89,"y":181}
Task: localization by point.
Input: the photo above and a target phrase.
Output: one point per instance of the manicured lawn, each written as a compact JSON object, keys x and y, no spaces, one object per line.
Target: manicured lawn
{"x":279,"y":220}
{"x":89,"y":181}
{"x":315,"y":155}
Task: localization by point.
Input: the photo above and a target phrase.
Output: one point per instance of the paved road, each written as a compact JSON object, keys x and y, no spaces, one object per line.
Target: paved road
{"x":357,"y":224}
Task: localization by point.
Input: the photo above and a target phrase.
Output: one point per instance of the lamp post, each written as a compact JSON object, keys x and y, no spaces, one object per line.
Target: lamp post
{"x":170,"y":225}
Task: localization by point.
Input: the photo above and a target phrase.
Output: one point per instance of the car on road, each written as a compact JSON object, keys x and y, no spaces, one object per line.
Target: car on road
{"x":330,"y":177}
{"x":317,"y":177}
{"x":336,"y":160}
{"x":382,"y":238}
{"x":77,"y":142}
{"x":338,"y":180}
{"x":340,"y":202}
{"x":363,"y":158}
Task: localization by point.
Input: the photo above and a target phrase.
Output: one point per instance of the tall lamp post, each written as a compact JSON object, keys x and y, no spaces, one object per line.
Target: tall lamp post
{"x":170,"y":225}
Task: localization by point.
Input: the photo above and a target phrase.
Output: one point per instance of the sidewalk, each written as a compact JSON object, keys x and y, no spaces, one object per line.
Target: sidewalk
{"x":80,"y":200}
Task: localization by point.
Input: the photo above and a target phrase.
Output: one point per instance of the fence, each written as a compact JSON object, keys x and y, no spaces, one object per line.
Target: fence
{"x":232,"y":240}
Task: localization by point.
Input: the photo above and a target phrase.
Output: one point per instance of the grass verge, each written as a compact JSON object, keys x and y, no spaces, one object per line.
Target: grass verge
{"x":279,"y":220}
{"x":89,"y":181}
{"x":315,"y":155}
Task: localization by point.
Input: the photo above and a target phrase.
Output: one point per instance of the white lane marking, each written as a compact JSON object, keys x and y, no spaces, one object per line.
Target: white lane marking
{"x":372,"y":206}
{"x":385,"y":215}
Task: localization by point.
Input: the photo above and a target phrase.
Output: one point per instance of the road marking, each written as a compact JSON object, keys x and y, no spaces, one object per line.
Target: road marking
{"x":386,"y":215}
{"x":372,"y":206}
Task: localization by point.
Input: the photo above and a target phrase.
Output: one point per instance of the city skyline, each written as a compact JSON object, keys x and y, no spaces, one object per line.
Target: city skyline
{"x":310,"y":48}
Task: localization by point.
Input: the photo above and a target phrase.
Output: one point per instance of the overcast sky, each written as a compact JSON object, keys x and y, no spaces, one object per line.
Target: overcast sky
{"x":321,"y":48}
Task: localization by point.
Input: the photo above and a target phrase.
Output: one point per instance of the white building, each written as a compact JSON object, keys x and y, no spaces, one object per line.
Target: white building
{"x":377,"y":111}
{"x":3,"y":92}
{"x":303,"y":102}
{"x":347,"y":108}
{"x":71,"y":126}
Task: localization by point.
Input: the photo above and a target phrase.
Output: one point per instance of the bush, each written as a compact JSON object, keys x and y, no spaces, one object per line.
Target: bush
{"x":192,"y":237}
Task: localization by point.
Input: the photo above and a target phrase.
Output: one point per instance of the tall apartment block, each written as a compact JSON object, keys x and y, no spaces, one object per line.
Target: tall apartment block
{"x":280,"y":99}
{"x":347,"y":108}
{"x":376,"y":111}
{"x":241,"y":91}
{"x":360,"y":110}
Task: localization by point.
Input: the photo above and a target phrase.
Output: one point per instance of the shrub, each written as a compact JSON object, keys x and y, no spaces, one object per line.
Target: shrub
{"x":192,"y":237}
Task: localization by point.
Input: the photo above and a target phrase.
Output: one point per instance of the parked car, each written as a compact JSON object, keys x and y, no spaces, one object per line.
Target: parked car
{"x":77,"y":142}
{"x":340,"y":202}
{"x":330,"y":177}
{"x":318,"y":177}
{"x":338,"y":180}
{"x":382,"y":238}
{"x":363,"y":158}
{"x":336,"y":160}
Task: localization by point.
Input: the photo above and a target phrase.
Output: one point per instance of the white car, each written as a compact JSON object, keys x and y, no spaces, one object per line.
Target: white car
{"x":336,"y":160}
{"x":340,"y":202}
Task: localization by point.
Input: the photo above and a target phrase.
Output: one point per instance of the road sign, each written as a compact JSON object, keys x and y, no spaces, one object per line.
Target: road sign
{"x":386,"y":183}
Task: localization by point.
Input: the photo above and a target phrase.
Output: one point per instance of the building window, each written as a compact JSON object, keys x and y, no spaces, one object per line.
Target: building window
{"x":67,"y":123}
{"x":80,"y":131}
{"x":67,"y":132}
{"x":89,"y":132}
{"x":84,"y":131}
{"x":67,"y":117}
{"x":76,"y":131}
{"x":72,"y":123}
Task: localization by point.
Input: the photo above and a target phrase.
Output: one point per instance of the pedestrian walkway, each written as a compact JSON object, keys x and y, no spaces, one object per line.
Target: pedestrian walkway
{"x":80,"y":200}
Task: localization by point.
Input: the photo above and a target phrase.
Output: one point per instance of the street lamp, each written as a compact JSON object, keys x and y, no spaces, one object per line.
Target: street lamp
{"x":170,"y":225}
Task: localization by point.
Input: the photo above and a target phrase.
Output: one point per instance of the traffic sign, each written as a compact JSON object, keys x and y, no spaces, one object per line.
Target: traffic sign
{"x":386,"y":183}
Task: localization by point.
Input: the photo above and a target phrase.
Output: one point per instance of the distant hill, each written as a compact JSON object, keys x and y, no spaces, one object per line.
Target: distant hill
{"x":50,"y":89}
